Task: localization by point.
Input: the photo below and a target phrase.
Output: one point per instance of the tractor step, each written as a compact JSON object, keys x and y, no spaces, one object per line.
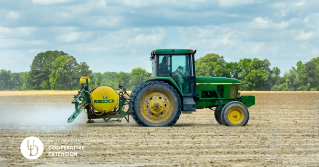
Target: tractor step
{"x":188,"y":104}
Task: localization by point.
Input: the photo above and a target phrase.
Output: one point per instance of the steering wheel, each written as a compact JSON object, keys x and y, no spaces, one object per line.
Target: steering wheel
{"x":178,"y":70}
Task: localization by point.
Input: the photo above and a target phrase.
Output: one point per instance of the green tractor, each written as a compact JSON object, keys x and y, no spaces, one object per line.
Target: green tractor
{"x":172,"y":89}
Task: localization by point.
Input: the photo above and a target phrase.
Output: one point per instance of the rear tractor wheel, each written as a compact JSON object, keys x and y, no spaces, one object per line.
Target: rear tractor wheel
{"x":235,"y":114}
{"x":218,"y":114}
{"x":156,"y":103}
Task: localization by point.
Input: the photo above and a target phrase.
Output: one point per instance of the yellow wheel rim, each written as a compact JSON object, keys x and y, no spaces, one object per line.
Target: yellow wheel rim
{"x":235,"y":115}
{"x":156,"y":106}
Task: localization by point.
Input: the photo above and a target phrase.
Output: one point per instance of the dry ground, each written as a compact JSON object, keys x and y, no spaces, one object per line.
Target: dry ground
{"x":282,"y":131}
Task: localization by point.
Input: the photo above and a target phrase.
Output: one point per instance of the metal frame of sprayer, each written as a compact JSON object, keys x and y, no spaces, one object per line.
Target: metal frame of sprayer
{"x":83,"y":101}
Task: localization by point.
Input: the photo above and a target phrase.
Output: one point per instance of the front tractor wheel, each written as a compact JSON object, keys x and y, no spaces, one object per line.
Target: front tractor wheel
{"x":235,"y":114}
{"x":156,"y":103}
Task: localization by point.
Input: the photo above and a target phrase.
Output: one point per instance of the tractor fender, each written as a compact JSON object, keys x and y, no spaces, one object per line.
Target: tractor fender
{"x":170,"y":81}
{"x":248,"y":100}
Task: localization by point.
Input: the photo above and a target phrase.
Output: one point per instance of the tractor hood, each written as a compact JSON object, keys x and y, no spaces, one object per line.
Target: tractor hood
{"x":216,"y":80}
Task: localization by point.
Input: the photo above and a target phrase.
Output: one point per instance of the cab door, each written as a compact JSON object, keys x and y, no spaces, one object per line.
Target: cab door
{"x":181,"y":72}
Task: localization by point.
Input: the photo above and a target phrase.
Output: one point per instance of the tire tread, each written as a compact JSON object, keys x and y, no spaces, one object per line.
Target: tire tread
{"x":145,"y":84}
{"x":231,"y":103}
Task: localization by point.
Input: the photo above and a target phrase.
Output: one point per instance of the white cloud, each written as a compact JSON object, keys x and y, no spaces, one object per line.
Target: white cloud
{"x":312,"y":21}
{"x":63,"y":14}
{"x":136,"y":3}
{"x":129,"y":39}
{"x":101,"y":3}
{"x":72,"y":37}
{"x":13,"y":15}
{"x":257,"y":47}
{"x":109,"y":21}
{"x":119,"y":50}
{"x":280,"y":5}
{"x":154,"y":38}
{"x":266,"y":23}
{"x":50,"y":2}
{"x":227,"y":3}
{"x":300,"y":3}
{"x":304,"y":45}
{"x":16,"y":43}
{"x":304,"y":36}
{"x":281,"y":13}
{"x":16,"y":32}
{"x":226,"y":40}
{"x":262,"y":23}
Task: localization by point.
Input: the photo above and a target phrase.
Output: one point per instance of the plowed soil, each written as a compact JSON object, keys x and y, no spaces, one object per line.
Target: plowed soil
{"x":282,"y":131}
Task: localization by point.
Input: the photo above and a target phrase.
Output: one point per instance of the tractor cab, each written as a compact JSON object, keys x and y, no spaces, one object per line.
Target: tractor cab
{"x":177,"y":65}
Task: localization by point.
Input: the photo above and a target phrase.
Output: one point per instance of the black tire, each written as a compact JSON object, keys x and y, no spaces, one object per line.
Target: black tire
{"x":218,"y":114}
{"x":137,"y":87}
{"x":142,"y":91}
{"x":237,"y":112}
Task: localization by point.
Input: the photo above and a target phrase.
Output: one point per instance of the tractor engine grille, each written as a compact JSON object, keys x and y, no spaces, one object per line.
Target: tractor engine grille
{"x":233,"y":89}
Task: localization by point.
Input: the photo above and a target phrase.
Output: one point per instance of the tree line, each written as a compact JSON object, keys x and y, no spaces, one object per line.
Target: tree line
{"x":256,"y":74}
{"x":56,"y":70}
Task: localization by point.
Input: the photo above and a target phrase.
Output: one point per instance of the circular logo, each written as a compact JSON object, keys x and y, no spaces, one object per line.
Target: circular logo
{"x":31,"y":147}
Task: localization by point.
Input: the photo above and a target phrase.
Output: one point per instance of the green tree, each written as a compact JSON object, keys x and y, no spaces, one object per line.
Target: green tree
{"x":97,"y":75}
{"x":82,"y":69}
{"x":315,"y":85}
{"x":255,"y":74}
{"x":138,"y":75}
{"x":109,"y":76}
{"x":275,"y":76}
{"x":312,"y":73}
{"x":5,"y":77}
{"x":123,"y":78}
{"x":281,"y":87}
{"x":63,"y":74}
{"x":276,"y":71}
{"x":211,"y":65}
{"x":16,"y":81}
{"x":113,"y":84}
{"x":97,"y":83}
{"x":26,"y":81}
{"x":41,"y":68}
{"x":292,"y":79}
{"x":232,"y":70}
{"x":301,"y":76}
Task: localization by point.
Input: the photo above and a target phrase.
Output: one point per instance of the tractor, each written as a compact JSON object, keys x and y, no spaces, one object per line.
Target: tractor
{"x":172,"y":89}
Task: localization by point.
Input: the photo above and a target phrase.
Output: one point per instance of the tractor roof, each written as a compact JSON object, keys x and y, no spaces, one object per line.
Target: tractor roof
{"x":173,"y":51}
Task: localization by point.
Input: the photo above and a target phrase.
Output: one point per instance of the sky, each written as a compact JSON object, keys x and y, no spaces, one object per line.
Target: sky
{"x":119,"y":35}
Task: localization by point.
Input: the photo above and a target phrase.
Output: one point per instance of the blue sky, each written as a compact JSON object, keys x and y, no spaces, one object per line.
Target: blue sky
{"x":118,"y":35}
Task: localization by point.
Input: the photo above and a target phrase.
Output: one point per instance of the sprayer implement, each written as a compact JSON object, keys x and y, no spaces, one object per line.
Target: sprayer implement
{"x":107,"y":107}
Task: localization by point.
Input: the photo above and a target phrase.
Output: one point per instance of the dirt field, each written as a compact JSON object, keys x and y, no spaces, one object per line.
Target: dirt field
{"x":282,"y":131}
